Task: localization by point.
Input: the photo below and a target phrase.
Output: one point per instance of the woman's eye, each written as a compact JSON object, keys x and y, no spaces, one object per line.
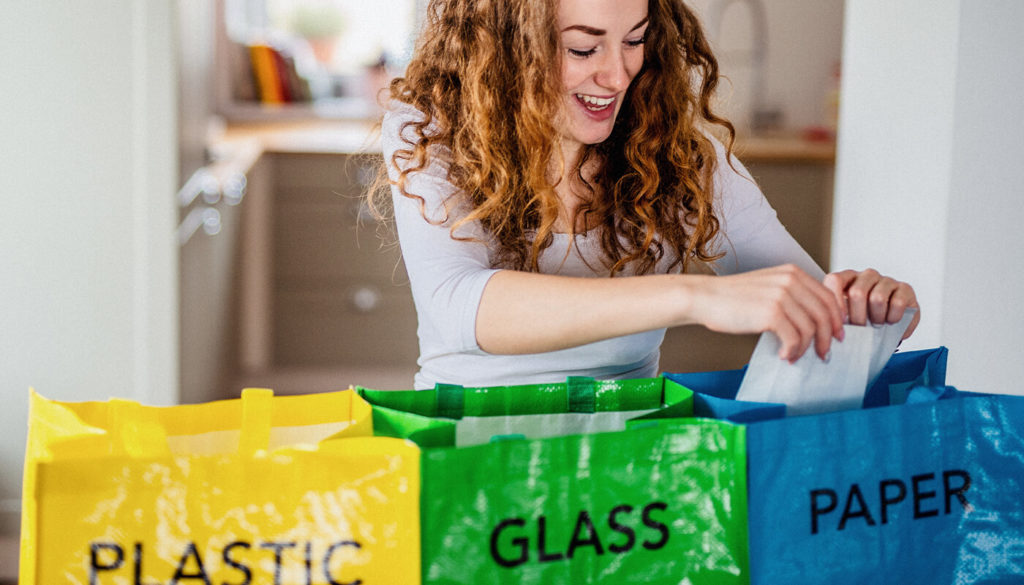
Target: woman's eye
{"x":636,"y":42}
{"x":582,"y":53}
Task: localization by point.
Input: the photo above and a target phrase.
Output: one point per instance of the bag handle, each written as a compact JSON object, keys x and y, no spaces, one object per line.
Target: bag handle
{"x":135,"y":430}
{"x":257,"y":412}
{"x":582,"y":394}
{"x":451,"y":400}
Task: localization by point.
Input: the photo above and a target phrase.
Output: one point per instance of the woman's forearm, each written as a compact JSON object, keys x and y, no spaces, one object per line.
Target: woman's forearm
{"x":531,"y":313}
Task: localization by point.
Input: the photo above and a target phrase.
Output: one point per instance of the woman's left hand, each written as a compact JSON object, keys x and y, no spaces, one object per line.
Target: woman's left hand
{"x":870,"y":297}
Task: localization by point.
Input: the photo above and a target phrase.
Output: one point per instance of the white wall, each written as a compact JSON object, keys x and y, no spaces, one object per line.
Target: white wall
{"x":804,"y":45}
{"x":927,"y":188}
{"x":982,"y":317}
{"x":88,"y":304}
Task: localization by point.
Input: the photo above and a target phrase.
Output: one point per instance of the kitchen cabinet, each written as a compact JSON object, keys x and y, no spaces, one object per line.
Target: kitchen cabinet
{"x":341,"y":296}
{"x":324,"y":301}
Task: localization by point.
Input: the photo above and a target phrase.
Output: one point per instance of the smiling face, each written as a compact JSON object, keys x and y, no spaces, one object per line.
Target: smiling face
{"x":602,"y":46}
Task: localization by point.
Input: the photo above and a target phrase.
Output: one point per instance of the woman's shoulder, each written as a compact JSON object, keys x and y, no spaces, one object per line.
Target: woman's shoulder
{"x":402,"y":128}
{"x":400,"y":119}
{"x":396,"y":126}
{"x":397,"y":112}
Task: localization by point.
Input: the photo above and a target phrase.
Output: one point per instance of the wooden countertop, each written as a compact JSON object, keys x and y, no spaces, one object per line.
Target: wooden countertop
{"x":307,"y":136}
{"x":355,"y":137}
{"x":786,"y":148}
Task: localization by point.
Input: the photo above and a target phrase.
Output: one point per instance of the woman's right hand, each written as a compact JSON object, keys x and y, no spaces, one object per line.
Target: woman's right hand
{"x":784,"y":299}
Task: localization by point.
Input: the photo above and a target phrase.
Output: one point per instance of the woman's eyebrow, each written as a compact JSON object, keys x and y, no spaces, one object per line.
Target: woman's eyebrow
{"x":639,"y":24}
{"x":599,"y":32}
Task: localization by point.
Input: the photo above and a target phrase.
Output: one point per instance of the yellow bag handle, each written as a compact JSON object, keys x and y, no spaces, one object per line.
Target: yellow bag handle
{"x":257,"y":413}
{"x":135,"y":431}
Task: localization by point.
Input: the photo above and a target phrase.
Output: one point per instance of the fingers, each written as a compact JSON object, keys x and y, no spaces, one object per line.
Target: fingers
{"x":810,"y":312}
{"x":785,"y":300}
{"x":869,"y":297}
{"x":880,"y":302}
{"x":857,"y":294}
{"x":837,"y":282}
{"x":791,"y":340}
{"x":902,"y":299}
{"x":834,"y":309}
{"x":819,"y":320}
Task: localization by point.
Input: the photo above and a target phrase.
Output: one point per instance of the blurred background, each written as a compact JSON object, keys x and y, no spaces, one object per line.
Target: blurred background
{"x":180,"y":183}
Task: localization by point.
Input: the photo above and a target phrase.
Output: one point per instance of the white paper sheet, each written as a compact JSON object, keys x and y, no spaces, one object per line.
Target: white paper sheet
{"x":812,"y":385}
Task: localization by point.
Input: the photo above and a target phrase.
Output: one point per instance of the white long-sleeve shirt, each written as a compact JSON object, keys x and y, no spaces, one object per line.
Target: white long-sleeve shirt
{"x":448,"y":276}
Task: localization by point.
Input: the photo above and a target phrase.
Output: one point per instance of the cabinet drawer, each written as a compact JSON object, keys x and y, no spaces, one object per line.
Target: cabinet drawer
{"x":352,"y":323}
{"x":326,"y":240}
{"x":337,"y":172}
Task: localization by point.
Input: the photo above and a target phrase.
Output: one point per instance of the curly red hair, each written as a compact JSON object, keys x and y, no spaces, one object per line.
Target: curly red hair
{"x":653,"y":186}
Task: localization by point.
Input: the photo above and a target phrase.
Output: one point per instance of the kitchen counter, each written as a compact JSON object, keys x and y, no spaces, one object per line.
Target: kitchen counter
{"x":298,"y":137}
{"x":354,"y":137}
{"x":786,"y":148}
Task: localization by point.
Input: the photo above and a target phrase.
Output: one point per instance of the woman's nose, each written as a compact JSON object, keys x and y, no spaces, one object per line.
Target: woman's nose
{"x":612,"y":73}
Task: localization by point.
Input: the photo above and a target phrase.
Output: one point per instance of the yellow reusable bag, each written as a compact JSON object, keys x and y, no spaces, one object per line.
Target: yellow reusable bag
{"x":246,"y":491}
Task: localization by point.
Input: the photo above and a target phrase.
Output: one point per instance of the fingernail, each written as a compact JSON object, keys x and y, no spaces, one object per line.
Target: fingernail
{"x":828,"y":357}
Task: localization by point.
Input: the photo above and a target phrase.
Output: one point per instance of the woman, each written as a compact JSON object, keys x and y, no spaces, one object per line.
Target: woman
{"x":537,"y":147}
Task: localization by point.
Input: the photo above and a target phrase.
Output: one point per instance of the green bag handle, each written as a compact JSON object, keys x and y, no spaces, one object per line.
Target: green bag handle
{"x":417,"y":414}
{"x":451,"y":400}
{"x":577,"y":394}
{"x":582,"y":394}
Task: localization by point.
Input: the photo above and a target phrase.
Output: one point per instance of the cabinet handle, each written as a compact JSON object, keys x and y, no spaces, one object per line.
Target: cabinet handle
{"x":234,"y":188}
{"x":202,"y":182}
{"x":206,"y":218}
{"x":365,"y":299}
{"x":205,"y":184}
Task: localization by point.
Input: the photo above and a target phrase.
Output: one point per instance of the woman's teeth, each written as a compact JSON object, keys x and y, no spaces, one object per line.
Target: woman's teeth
{"x":594,"y":104}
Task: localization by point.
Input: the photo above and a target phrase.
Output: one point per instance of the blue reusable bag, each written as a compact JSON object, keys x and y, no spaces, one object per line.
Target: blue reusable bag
{"x":925,"y":492}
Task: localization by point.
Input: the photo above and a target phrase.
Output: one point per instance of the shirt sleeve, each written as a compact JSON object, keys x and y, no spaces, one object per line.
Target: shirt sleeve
{"x":447,"y":276}
{"x":751,"y":236}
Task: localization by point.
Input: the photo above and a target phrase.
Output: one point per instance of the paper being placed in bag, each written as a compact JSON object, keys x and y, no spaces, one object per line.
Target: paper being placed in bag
{"x":812,"y":385}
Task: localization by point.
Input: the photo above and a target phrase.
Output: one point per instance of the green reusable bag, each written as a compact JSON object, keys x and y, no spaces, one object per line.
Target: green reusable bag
{"x":453,"y":415}
{"x":661,"y":504}
{"x":659,"y":500}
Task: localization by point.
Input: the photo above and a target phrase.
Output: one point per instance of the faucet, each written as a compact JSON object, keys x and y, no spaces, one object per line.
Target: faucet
{"x":760,"y":116}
